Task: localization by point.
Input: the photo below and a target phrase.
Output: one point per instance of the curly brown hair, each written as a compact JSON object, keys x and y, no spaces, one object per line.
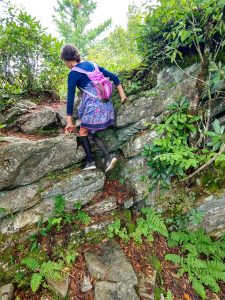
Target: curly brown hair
{"x":69,"y":53}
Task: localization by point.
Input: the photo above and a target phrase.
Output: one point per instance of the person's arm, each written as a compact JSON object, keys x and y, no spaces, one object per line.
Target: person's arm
{"x":121,"y":92}
{"x":72,"y":82}
{"x":115,"y":79}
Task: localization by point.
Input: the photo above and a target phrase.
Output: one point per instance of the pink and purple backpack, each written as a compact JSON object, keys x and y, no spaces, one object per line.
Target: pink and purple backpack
{"x":102,"y":84}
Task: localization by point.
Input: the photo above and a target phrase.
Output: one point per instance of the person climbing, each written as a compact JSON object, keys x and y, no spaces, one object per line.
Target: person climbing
{"x":95,"y":113}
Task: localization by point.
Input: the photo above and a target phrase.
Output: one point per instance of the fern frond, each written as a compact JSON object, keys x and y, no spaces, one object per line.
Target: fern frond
{"x":155,"y":221}
{"x":215,"y":265}
{"x":177,"y":238}
{"x":36,"y":280}
{"x":195,"y":264}
{"x":199,"y":288}
{"x":169,"y":295}
{"x":52,"y":269}
{"x":191,"y":248}
{"x":176,"y":259}
{"x":210,"y":282}
{"x":31,"y":263}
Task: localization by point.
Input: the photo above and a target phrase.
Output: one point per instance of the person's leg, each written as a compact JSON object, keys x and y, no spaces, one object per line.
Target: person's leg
{"x":87,"y":148}
{"x":101,"y":145}
{"x":110,"y":160}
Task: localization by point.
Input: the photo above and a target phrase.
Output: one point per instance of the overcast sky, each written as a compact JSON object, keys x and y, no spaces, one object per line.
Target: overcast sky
{"x":43,"y":11}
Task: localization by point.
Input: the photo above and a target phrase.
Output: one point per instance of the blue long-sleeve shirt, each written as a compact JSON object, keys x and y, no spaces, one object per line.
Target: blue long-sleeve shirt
{"x":76,"y":79}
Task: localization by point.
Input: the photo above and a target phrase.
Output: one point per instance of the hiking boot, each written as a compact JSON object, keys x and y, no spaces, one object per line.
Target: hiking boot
{"x":89,"y":166}
{"x":110,"y":163}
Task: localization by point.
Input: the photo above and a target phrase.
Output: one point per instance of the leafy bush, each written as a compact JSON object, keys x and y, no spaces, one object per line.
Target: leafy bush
{"x":29,"y":57}
{"x":201,"y":258}
{"x":173,"y":28}
{"x":171,"y":154}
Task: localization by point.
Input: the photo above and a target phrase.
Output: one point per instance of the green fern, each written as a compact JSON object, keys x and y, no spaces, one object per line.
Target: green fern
{"x":199,"y":288}
{"x":42,"y":271}
{"x":176,"y":259}
{"x":169,"y":295}
{"x":201,"y":258}
{"x":155,"y":221}
{"x":144,"y":227}
{"x":36,"y":281}
{"x":31,"y":263}
{"x":51,"y":269}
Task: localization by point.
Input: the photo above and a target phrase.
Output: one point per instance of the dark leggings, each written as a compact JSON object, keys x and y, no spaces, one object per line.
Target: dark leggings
{"x":84,"y":140}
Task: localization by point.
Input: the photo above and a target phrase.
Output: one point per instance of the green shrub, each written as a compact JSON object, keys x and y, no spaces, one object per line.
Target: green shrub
{"x":171,"y":153}
{"x":29,"y":59}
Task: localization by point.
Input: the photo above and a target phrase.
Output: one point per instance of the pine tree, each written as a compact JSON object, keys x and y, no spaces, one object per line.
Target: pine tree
{"x":72,"y":18}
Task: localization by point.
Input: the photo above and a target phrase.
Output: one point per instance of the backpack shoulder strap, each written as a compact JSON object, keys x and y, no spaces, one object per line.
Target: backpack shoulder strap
{"x":95,"y":66}
{"x":84,"y":71}
{"x":79,"y":70}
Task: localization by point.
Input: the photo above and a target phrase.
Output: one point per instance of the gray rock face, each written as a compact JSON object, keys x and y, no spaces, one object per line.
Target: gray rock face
{"x":132,"y":172}
{"x":213,"y":208}
{"x":18,"y":199}
{"x":110,"y":263}
{"x":218,"y":107}
{"x":124,"y":134}
{"x":114,"y":291}
{"x":24,"y":161}
{"x":20,"y":108}
{"x":172,"y":83}
{"x":106,"y":205}
{"x":61,"y":114}
{"x":6,"y":292}
{"x":136,"y":144}
{"x":80,"y":187}
{"x":31,"y":122}
{"x":26,"y":218}
{"x":140,"y":108}
{"x":61,"y":286}
{"x":171,"y":76}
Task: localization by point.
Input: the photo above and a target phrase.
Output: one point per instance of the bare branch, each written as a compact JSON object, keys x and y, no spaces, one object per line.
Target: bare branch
{"x":222,"y":149}
{"x":205,"y":82}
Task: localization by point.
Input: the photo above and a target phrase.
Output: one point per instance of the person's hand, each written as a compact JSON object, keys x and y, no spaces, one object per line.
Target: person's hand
{"x":123,"y":99}
{"x":70,"y":128}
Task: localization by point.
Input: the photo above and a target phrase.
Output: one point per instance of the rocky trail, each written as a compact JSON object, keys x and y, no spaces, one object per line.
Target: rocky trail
{"x":38,"y":163}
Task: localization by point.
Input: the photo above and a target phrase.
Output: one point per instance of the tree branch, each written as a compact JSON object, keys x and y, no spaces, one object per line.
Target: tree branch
{"x":222,"y":149}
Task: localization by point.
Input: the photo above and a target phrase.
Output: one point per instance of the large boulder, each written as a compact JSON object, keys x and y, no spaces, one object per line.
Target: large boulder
{"x":77,"y":187}
{"x":172,"y":83}
{"x":114,"y":291}
{"x":139,"y":108}
{"x":110,"y":263}
{"x":32,"y":122}
{"x":20,"y":108}
{"x":23,"y":161}
{"x":25,"y":218}
{"x":80,"y":187}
